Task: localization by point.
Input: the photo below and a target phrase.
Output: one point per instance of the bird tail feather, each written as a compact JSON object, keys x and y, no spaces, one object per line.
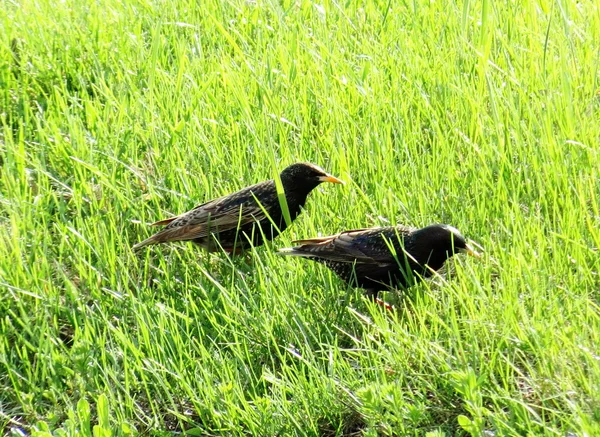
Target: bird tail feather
{"x":293,"y":251}
{"x":316,"y":240}
{"x":147,"y":242}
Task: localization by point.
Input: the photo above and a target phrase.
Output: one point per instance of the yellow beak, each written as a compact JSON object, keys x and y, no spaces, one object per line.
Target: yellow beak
{"x":470,"y":251}
{"x":332,"y":179}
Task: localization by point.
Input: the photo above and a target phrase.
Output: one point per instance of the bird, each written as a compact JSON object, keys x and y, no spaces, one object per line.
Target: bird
{"x":383,"y":258}
{"x":245,"y":218}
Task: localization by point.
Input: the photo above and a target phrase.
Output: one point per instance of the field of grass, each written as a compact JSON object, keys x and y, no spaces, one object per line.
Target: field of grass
{"x":115,"y":114}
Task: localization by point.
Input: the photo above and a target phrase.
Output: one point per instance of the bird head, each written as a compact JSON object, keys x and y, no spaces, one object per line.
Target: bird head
{"x":437,"y":243}
{"x":306,"y":175}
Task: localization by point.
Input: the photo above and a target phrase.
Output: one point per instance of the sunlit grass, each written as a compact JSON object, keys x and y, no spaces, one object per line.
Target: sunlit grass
{"x":116,"y":114}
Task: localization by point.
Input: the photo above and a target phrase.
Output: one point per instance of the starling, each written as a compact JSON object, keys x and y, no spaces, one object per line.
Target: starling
{"x":248,"y":216}
{"x":381,"y":258}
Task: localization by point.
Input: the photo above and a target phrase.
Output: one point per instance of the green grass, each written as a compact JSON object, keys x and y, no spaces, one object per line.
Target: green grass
{"x":114,"y":114}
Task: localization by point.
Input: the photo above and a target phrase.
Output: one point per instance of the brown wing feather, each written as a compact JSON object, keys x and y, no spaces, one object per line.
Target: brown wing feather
{"x":316,"y":240}
{"x":200,"y":223}
{"x":343,"y":247}
{"x":164,"y":222}
{"x":337,"y":247}
{"x":207,"y":205}
{"x":219,"y":215}
{"x":327,"y":239}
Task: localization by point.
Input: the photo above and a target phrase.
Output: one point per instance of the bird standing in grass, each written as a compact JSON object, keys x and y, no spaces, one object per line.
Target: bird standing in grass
{"x":382,"y":258}
{"x":250,"y":215}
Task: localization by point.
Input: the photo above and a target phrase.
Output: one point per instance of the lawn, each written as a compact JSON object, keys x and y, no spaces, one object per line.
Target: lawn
{"x":115,"y":114}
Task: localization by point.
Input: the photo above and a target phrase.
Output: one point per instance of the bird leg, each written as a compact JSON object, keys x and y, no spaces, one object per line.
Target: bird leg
{"x":234,"y":252}
{"x":384,"y":304}
{"x":372,"y":294}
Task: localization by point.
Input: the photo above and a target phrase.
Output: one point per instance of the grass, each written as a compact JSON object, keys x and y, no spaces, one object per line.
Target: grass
{"x":115,"y":114}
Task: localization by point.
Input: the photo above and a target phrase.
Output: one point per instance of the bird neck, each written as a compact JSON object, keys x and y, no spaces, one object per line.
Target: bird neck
{"x":435,"y":259}
{"x":298,"y":191}
{"x":295,"y":200}
{"x":426,"y":251}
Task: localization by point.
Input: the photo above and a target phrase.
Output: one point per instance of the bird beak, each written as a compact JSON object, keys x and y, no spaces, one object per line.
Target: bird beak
{"x":332,"y":179}
{"x":469,"y":250}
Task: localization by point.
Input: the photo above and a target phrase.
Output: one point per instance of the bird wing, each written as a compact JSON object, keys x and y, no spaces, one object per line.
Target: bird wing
{"x":203,"y":206}
{"x":327,"y":239}
{"x":360,"y":246}
{"x":223,"y":214}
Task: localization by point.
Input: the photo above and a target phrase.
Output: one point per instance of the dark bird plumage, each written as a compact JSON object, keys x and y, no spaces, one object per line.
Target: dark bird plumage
{"x":232,"y":221}
{"x":381,"y":258}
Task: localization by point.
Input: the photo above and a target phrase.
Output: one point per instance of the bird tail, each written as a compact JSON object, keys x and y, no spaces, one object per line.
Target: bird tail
{"x":294,"y":251}
{"x":156,"y":238}
{"x":147,"y":242}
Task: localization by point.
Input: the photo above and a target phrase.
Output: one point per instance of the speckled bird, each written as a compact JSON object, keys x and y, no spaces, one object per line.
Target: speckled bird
{"x":231,"y":222}
{"x":378,"y":259}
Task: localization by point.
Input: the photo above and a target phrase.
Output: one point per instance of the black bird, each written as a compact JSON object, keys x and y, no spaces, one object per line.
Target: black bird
{"x":250,"y":215}
{"x":382,"y":258}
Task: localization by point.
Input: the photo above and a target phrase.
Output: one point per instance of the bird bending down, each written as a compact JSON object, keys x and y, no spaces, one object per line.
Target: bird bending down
{"x":248,"y":216}
{"x":378,"y":259}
